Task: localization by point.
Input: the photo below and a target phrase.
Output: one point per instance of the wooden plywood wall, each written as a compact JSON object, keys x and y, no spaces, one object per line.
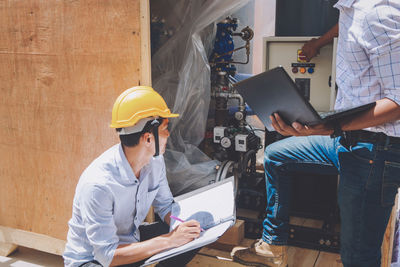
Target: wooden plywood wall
{"x":62,"y":64}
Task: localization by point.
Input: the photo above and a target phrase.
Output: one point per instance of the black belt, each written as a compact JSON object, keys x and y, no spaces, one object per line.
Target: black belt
{"x":370,"y":137}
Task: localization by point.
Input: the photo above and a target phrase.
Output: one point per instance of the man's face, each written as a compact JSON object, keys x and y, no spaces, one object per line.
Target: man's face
{"x":163,"y":134}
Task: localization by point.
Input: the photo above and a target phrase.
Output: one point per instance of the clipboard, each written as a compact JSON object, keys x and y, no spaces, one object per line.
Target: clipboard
{"x":213,"y":206}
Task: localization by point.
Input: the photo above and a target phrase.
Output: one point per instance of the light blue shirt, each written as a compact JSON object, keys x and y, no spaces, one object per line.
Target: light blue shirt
{"x":109,"y":205}
{"x":368,"y":55}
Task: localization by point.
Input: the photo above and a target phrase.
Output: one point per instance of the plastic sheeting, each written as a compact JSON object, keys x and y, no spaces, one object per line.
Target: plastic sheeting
{"x":181,"y":74}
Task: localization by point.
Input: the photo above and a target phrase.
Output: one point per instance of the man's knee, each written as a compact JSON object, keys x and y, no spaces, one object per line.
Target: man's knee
{"x":272,"y":154}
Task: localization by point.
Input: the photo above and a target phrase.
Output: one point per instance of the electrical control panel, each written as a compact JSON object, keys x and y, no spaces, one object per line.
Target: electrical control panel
{"x":219,"y":132}
{"x":241,"y":142}
{"x":314,"y":78}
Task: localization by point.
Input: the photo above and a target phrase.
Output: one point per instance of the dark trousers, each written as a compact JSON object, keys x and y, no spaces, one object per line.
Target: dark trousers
{"x":151,"y":230}
{"x":369,"y":179}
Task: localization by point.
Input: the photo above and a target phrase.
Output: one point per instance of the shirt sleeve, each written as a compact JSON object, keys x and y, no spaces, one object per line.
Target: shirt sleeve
{"x":97,"y":213}
{"x":163,"y":201}
{"x":382,"y":41}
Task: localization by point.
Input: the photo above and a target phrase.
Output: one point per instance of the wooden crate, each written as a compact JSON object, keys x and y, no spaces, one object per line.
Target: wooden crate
{"x":62,"y":65}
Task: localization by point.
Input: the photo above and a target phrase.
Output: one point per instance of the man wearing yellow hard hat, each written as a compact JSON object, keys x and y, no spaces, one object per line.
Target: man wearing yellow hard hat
{"x":115,"y":192}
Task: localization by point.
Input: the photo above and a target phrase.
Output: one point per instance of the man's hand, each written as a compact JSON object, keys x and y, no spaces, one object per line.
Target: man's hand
{"x":297,"y":129}
{"x":184,"y":233}
{"x":311,"y":49}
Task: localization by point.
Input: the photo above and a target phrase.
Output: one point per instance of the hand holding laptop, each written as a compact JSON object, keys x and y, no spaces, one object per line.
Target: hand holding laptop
{"x":297,"y":129}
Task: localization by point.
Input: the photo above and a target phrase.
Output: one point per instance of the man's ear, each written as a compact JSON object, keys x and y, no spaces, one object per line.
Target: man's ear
{"x":147,"y":138}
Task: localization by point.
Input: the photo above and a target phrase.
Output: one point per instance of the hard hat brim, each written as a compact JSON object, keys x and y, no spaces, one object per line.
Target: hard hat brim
{"x":172,"y":115}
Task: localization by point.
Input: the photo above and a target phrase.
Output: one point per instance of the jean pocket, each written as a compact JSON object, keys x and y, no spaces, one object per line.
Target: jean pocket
{"x":390,"y":183}
{"x":356,"y":165}
{"x":363,"y":151}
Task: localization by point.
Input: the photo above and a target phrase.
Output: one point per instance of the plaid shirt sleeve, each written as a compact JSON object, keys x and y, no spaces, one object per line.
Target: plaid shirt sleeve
{"x":382,"y":42}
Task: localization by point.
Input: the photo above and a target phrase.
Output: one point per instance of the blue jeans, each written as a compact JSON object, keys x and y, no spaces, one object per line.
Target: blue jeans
{"x":369,"y":178}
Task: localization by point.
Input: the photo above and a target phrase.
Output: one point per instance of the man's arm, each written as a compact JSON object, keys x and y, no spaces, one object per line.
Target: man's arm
{"x":182,"y":234}
{"x":386,"y":110}
{"x":167,"y":218}
{"x":311,"y":48}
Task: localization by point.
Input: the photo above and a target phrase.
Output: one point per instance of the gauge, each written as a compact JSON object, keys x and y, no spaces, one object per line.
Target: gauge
{"x":226,"y":142}
{"x":239,"y":115}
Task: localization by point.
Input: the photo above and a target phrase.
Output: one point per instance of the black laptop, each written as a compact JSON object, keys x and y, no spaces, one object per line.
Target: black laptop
{"x":274,"y":91}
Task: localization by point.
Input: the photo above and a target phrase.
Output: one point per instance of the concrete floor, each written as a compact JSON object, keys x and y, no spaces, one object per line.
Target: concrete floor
{"x":26,"y":257}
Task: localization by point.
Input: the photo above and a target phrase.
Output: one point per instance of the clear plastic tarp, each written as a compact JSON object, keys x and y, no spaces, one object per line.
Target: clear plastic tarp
{"x":181,"y":74}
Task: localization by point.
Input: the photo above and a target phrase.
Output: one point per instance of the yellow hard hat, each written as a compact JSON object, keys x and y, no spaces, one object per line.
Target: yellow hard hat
{"x":138,"y":103}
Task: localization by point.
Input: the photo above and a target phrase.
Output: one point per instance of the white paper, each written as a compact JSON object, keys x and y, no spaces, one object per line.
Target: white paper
{"x":206,"y":237}
{"x":213,"y":206}
{"x":210,"y":206}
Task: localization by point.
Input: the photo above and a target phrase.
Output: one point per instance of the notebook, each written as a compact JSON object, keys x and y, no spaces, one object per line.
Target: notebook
{"x":213,"y":206}
{"x":274,"y":91}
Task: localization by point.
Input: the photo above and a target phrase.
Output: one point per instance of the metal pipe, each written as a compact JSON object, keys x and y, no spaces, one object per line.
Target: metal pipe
{"x":232,"y":95}
{"x":242,"y":105}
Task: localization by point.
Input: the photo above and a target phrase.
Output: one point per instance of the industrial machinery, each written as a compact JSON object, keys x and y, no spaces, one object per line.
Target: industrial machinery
{"x":230,"y":138}
{"x":233,"y":141}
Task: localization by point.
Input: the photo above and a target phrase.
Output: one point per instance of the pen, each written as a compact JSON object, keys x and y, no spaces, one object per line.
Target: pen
{"x":180,"y":220}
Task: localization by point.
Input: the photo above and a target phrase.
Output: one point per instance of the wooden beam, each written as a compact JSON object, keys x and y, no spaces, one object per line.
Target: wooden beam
{"x":145,"y":61}
{"x":201,"y":260}
{"x":7,"y":248}
{"x":388,"y":238}
{"x":145,"y":47}
{"x":31,"y":240}
{"x":326,"y":259}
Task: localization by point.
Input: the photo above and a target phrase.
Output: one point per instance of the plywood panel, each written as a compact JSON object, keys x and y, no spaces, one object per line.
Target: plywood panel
{"x":62,"y":64}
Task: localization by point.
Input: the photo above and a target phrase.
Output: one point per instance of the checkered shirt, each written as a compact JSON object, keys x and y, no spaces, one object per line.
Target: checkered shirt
{"x":368,"y":55}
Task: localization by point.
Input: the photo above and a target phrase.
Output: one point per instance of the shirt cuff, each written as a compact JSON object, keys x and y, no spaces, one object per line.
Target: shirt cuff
{"x":394,"y":97}
{"x":162,"y":213}
{"x":106,"y":258}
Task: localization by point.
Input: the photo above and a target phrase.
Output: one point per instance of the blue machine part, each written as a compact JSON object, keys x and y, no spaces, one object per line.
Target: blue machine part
{"x":223,"y":45}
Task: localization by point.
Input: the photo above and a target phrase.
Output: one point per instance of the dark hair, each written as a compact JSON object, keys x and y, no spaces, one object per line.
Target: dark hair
{"x":132,"y":140}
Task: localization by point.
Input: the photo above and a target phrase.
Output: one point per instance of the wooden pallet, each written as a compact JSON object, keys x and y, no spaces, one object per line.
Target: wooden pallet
{"x":297,"y":257}
{"x":217,"y":255}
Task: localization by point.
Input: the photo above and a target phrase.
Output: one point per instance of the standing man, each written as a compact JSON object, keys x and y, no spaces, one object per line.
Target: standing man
{"x":364,"y":150}
{"x":115,"y":192}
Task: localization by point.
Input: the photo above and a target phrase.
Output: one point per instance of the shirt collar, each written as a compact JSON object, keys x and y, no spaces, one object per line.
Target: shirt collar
{"x":125,"y":169}
{"x":344,"y":3}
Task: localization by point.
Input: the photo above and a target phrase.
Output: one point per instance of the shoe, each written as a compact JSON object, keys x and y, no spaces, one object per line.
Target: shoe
{"x":261,"y":254}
